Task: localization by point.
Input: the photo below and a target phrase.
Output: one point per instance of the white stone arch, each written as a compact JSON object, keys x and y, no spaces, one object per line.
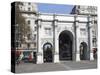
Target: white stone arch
{"x":58,"y":33}
{"x":83,"y":41}
{"x":46,"y":42}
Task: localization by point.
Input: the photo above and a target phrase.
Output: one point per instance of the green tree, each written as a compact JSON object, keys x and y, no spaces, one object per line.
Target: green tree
{"x":24,"y":28}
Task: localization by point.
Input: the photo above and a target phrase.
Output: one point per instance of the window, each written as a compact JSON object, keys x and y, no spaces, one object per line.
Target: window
{"x":28,"y":45}
{"x":17,"y":44}
{"x":17,"y":37}
{"x":93,"y":32}
{"x":28,"y":22}
{"x":83,"y":31}
{"x":29,"y":36}
{"x":34,"y":37}
{"x":29,"y":9}
{"x":29,"y":3}
{"x":35,"y":28}
{"x":95,"y":21}
{"x":48,"y":31}
{"x":35,"y":44}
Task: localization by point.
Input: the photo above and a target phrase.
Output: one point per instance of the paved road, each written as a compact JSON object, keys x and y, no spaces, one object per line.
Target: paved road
{"x":62,"y":66}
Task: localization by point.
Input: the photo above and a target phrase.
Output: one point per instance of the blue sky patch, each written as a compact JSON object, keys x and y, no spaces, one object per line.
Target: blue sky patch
{"x":54,"y":8}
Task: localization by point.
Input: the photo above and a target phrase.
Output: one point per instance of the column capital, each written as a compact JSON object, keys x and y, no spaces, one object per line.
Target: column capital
{"x":76,"y":23}
{"x":39,"y":23}
{"x":55,"y":23}
{"x":90,"y":25}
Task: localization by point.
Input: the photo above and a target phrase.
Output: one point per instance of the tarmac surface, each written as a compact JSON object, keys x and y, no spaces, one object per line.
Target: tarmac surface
{"x":62,"y":66}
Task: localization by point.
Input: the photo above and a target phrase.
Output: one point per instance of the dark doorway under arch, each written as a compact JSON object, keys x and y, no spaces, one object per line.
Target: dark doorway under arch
{"x":47,"y":51}
{"x":65,"y":45}
{"x":83,"y":51}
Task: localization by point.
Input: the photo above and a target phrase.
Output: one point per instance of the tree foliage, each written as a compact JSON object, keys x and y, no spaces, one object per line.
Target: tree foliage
{"x":24,"y":28}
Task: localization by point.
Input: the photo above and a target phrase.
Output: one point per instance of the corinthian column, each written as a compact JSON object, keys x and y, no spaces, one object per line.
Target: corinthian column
{"x":77,"y":32}
{"x":40,"y":51}
{"x":56,"y":43}
{"x":90,"y":37}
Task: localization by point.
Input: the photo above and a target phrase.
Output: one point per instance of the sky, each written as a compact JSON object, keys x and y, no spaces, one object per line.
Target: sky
{"x":54,"y":8}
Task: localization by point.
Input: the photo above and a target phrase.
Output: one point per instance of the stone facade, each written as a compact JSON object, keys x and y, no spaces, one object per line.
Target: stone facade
{"x":92,"y":11}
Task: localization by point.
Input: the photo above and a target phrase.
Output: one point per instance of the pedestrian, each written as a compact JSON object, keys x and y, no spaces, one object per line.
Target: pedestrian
{"x":21,"y":56}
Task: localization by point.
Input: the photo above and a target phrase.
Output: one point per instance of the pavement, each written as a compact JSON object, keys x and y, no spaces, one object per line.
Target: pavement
{"x":62,"y":66}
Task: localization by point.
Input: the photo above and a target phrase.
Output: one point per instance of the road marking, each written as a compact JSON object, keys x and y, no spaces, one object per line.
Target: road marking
{"x":66,"y":67}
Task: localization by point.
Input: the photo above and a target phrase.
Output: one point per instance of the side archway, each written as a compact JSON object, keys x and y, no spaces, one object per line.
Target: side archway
{"x":47,"y":52}
{"x":83,"y":51}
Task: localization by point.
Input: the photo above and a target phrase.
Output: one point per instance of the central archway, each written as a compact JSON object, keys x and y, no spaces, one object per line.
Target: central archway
{"x":65,"y":45}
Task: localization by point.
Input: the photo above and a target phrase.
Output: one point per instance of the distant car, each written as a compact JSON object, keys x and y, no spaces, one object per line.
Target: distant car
{"x":95,"y":53}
